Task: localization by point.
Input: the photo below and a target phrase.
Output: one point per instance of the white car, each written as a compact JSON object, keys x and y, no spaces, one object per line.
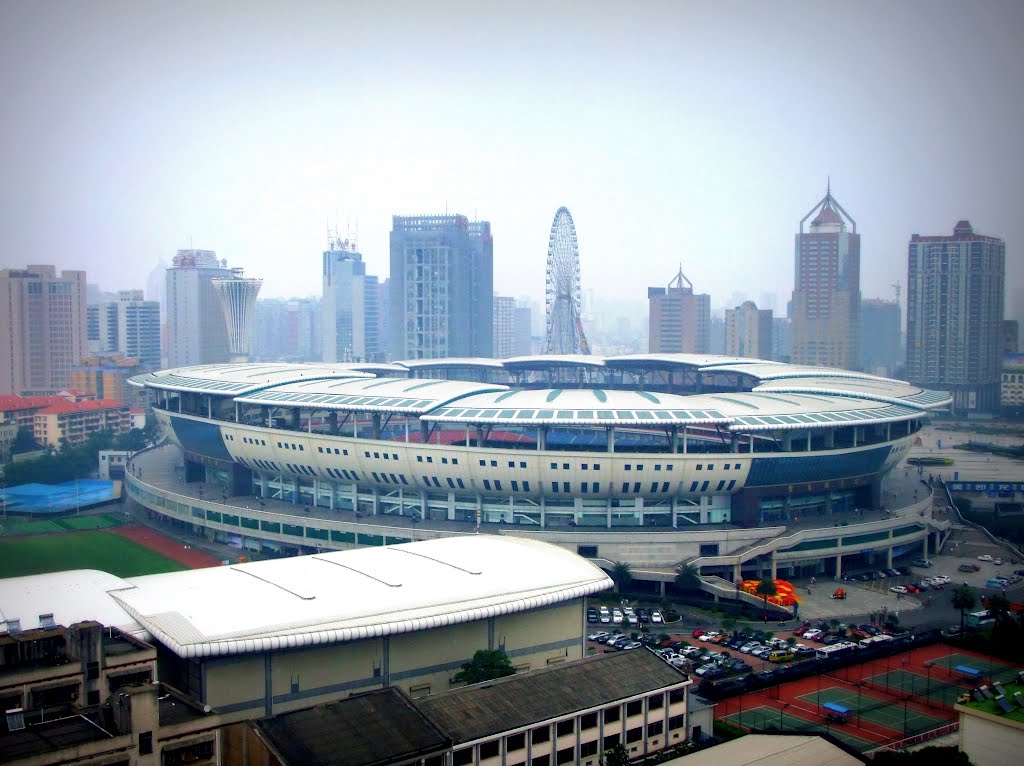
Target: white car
{"x":984,"y":557}
{"x":617,"y":616}
{"x":998,"y":562}
{"x":657,"y":617}
{"x":709,"y":636}
{"x":597,"y":635}
{"x":813,"y":634}
{"x":898,"y":589}
{"x":944,"y":579}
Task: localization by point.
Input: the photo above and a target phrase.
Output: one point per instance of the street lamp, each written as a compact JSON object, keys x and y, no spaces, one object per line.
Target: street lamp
{"x":784,"y":706}
{"x":928,"y":682}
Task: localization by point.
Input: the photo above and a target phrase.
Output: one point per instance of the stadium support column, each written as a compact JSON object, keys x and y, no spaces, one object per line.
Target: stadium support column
{"x":924,"y":549}
{"x":542,"y":438}
{"x":296,"y":418}
{"x":375,"y":426}
{"x":775,"y":566}
{"x":610,"y":442}
{"x":675,"y":439}
{"x":888,"y":553}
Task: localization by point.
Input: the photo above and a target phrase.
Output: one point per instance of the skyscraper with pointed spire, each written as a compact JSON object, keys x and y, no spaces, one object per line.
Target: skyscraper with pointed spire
{"x":679,"y":319}
{"x":826,"y":291}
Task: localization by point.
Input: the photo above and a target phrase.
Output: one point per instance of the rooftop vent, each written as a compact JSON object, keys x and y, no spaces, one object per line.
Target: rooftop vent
{"x":15,"y":719}
{"x":46,"y":621}
{"x":14,"y":626}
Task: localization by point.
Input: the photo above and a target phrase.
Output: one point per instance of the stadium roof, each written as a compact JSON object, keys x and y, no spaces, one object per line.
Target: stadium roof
{"x":409,"y":395}
{"x":773,"y":370}
{"x":679,"y":360}
{"x":548,"y":361}
{"x":238,"y":379}
{"x":351,"y":595}
{"x":895,"y":391}
{"x":467,"y":361}
{"x":577,"y":406}
{"x":740,"y":411}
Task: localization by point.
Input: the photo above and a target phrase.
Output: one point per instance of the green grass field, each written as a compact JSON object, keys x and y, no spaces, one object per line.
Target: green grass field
{"x":14,"y":525}
{"x":84,"y":550}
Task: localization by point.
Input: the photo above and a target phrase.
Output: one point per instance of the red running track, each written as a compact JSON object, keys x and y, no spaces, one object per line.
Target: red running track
{"x":166,"y":546}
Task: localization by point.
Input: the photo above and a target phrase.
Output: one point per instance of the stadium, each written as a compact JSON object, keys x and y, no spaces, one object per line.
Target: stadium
{"x":740,"y":467}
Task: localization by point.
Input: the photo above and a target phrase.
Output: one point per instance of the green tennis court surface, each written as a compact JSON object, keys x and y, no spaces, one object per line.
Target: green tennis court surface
{"x":928,"y":686}
{"x":766,"y":718}
{"x":990,"y":669}
{"x":888,"y":713}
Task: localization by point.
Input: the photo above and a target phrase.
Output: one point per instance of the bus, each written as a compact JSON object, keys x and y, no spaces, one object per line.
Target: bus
{"x":980,"y":619}
{"x":841,"y":649}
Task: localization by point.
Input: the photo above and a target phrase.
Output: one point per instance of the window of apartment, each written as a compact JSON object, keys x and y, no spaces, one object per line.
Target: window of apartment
{"x":462,"y":757}
{"x":611,"y":714}
{"x":566,"y":727}
{"x":490,"y":749}
{"x":515,"y":742}
{"x":677,"y":721}
{"x":635,"y":735}
{"x":611,"y":741}
{"x":541,"y":760}
{"x":588,"y":721}
{"x":634,"y":707}
{"x":566,"y":755}
{"x":678,"y":695}
{"x":588,"y":748}
{"x":145,"y":743}
{"x":654,"y":728}
{"x":540,"y":734}
{"x":655,"y":702}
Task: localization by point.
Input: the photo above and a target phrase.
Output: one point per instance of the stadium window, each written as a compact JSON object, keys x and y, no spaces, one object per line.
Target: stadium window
{"x":430,"y":459}
{"x":657,"y":466}
{"x":483,"y":463}
{"x":625,"y":486}
{"x":497,"y":484}
{"x":376,"y":455}
{"x":664,"y":486}
{"x":700,"y":467}
{"x":565,"y":466}
{"x":426,"y":481}
{"x":494,"y":464}
{"x":629,"y":467}
{"x":451,"y":484}
{"x":583,"y":467}
{"x":511,"y":463}
{"x":554,"y":466}
{"x":704,"y":486}
{"x":636,"y":488}
{"x":444,"y":461}
{"x":711,"y":466}
{"x":737,"y":466}
{"x":554,"y":486}
{"x":669,"y":467}
{"x":597,"y":487}
{"x":583,"y":488}
{"x":640,"y":466}
{"x":654,"y":486}
{"x":526,"y":486}
{"x":597,"y":466}
{"x":419,"y":459}
{"x":522,"y":464}
{"x":487,"y":484}
{"x":394,"y":478}
{"x":721,"y":486}
{"x":463,"y":486}
{"x":394,"y":456}
{"x":731,"y":484}
{"x":565,"y":487}
{"x":436,"y":482}
{"x":515,"y":486}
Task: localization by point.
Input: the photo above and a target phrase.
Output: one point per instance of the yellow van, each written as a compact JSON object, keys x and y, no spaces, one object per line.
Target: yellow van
{"x":780,"y":655}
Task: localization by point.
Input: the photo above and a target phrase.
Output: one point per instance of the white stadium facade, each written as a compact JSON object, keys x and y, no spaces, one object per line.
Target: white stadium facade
{"x":740,"y":467}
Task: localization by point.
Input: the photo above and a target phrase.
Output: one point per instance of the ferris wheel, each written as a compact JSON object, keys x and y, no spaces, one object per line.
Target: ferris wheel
{"x":563,"y":294}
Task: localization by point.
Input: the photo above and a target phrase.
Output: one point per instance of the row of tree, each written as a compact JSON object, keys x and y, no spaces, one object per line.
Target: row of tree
{"x":70,"y":463}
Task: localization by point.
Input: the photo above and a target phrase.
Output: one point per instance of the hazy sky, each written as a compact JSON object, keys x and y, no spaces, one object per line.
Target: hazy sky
{"x":695,"y":131}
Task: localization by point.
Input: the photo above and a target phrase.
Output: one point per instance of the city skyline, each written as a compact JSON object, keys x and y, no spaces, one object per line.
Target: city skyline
{"x":147,"y":130}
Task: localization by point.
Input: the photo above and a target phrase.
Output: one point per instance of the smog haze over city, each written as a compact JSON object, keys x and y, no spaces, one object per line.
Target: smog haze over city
{"x":695,"y":133}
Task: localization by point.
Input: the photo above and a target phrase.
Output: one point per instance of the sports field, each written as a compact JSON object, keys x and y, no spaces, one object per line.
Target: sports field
{"x":81,"y":550}
{"x":885,"y":712}
{"x":766,"y":718}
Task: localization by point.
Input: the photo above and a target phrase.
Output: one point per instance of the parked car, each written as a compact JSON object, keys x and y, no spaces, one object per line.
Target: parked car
{"x":998,"y":562}
{"x":802,"y":629}
{"x":893,"y":572}
{"x":968,"y":568}
{"x":657,"y":617}
{"x":698,"y":632}
{"x":984,"y":557}
{"x":898,"y":589}
{"x":598,"y":635}
{"x":922,"y":562}
{"x":643,"y":614}
{"x":813,"y":634}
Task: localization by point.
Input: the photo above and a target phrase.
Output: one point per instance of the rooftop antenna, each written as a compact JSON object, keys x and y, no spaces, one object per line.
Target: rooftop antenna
{"x":828,"y":186}
{"x":897,"y":287}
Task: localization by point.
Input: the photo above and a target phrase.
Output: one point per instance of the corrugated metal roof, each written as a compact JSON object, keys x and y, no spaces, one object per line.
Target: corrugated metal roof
{"x":236,"y":379}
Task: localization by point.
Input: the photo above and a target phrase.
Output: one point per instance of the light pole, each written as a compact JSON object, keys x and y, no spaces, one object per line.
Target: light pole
{"x":784,"y":706}
{"x":928,"y":682}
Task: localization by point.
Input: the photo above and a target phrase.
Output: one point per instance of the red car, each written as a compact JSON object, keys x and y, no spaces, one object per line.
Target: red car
{"x":802,"y":629}
{"x":698,"y":632}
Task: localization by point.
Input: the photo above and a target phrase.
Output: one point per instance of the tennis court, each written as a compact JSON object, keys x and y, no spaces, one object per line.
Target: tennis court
{"x":767,"y":718}
{"x":928,"y":686}
{"x":888,"y":713}
{"x":46,"y":499}
{"x":992,"y":670}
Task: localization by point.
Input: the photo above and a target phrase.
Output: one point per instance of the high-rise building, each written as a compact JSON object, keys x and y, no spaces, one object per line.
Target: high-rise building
{"x":43,"y":323}
{"x":129,"y":326}
{"x":384,"y":315}
{"x":782,"y":329}
{"x":371,"y":319}
{"x":680,"y":320}
{"x":522,"y":330}
{"x":1011,"y":335}
{"x":287,"y":330}
{"x":441,"y":287}
{"x":881,"y":348}
{"x":344,"y":302}
{"x":826,"y":295}
{"x":955,"y":287}
{"x":237,"y":295}
{"x":504,"y":326}
{"x":748,"y":331}
{"x":196,"y":331}
{"x":106,"y":377}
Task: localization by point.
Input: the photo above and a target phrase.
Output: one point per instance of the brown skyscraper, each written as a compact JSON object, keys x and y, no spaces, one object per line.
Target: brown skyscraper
{"x":826,"y":293}
{"x":680,"y":320}
{"x":42,"y":328}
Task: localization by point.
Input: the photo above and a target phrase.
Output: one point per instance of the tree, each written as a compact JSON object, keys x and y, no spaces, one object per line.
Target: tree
{"x":999,"y":608}
{"x":729,"y":624}
{"x":621,"y":575}
{"x":688,"y":577}
{"x":963,"y":599}
{"x":765,"y":589}
{"x":486,"y":665}
{"x":615,"y":756}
